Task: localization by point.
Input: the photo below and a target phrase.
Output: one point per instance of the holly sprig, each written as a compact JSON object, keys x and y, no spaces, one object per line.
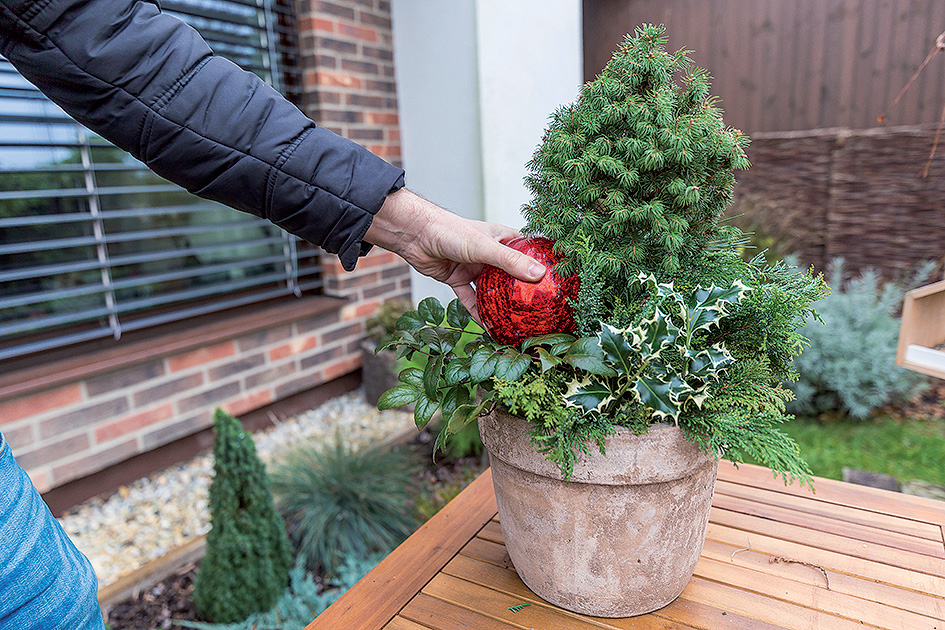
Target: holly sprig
{"x":463,"y":362}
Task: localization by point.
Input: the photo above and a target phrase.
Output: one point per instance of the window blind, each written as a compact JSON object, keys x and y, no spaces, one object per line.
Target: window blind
{"x":93,"y":244}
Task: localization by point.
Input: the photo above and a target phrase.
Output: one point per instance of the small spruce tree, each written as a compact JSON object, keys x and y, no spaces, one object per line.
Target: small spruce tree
{"x":246,"y":567}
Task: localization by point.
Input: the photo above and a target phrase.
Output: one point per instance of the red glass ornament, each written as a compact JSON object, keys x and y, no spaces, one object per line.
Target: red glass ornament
{"x":513,"y":310}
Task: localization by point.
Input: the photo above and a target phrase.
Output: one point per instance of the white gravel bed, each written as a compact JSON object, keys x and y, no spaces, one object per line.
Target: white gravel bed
{"x":153,"y":515}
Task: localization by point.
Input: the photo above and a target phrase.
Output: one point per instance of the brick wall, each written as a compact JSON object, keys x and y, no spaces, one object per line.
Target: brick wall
{"x":83,"y":426}
{"x":347,"y":62}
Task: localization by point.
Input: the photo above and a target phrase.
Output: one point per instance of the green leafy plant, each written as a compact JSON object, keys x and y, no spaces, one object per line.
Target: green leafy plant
{"x":246,"y":567}
{"x":851,"y":365}
{"x":340,"y":501}
{"x":631,"y":182}
{"x":382,"y":325}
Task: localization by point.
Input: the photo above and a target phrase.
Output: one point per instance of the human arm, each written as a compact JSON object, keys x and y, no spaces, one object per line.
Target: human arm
{"x":149,"y":83}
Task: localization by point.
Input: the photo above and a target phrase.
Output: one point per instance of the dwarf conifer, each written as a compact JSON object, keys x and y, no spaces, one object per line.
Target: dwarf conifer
{"x":246,"y":567}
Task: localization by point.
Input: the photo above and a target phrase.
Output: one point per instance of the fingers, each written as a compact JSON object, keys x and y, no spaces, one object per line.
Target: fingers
{"x":514,"y":263}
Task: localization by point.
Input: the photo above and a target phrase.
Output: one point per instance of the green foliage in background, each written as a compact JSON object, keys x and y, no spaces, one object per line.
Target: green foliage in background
{"x":382,"y":325}
{"x":673,"y":325}
{"x":850,"y":365}
{"x":340,"y":501}
{"x":302,"y":601}
{"x":246,"y":567}
{"x":907,"y":450}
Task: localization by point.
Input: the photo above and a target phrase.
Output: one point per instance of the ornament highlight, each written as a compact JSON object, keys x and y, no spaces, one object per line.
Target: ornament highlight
{"x":513,"y":310}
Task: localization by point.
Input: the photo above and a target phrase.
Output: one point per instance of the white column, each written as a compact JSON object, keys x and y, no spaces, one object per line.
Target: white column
{"x":476,"y":82}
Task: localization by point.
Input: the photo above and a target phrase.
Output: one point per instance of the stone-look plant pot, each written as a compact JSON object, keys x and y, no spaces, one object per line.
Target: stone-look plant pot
{"x":622,"y":537}
{"x":378,"y":371}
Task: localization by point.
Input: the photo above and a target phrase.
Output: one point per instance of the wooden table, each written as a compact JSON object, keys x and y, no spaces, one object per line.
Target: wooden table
{"x":774,"y":557}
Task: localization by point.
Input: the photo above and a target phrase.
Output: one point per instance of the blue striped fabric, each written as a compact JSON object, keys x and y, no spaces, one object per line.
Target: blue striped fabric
{"x":45,"y":582}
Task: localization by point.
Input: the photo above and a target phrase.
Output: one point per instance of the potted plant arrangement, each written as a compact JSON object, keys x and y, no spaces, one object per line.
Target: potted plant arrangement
{"x":379,"y":366}
{"x":607,"y":392}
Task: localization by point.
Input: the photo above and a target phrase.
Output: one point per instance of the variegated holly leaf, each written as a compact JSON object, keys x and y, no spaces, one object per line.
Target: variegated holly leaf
{"x":655,"y":333}
{"x":617,"y":348}
{"x":707,"y":306}
{"x":649,"y":282}
{"x":709,"y":362}
{"x":588,"y":394}
{"x":664,"y":394}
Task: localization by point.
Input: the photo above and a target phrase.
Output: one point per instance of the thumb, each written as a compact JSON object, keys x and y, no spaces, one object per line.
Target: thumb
{"x":515,"y":263}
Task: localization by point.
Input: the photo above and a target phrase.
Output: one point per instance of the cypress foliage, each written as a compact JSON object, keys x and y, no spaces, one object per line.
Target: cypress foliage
{"x":246,"y":567}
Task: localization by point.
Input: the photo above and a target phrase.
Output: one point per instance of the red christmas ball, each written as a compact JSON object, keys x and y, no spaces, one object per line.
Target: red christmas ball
{"x":513,"y":310}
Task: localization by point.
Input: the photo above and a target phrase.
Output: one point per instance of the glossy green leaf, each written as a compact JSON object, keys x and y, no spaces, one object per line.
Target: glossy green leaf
{"x":423,"y":410}
{"x":432,"y":311}
{"x":431,"y":376}
{"x":548,"y":360}
{"x":411,"y":320}
{"x":411,"y":376}
{"x":548,"y":340}
{"x":457,"y":315}
{"x":482,"y":365}
{"x":456,"y":371}
{"x":398,"y":396}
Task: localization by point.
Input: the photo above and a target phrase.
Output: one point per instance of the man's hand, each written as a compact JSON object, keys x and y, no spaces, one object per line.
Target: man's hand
{"x":447,"y":247}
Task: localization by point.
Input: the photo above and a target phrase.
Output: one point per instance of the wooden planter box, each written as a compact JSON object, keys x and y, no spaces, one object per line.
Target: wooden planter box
{"x":922,"y":330}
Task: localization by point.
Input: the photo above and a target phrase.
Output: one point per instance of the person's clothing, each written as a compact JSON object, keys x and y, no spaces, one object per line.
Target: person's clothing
{"x":150,"y":84}
{"x":45,"y":582}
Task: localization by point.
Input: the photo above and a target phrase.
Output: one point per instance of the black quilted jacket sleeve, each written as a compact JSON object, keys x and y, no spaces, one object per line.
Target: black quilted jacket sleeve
{"x":150,"y":84}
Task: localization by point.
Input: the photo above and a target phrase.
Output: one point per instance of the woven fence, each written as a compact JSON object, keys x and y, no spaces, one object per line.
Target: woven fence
{"x":856,"y":194}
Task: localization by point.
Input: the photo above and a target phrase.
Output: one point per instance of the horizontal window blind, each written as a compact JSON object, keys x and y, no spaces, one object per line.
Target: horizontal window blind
{"x":93,"y":244}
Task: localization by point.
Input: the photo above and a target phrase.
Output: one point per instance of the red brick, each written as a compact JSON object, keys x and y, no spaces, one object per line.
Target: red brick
{"x":132,"y":423}
{"x":337,"y":79}
{"x":358,"y":32}
{"x":381,"y":118}
{"x":300,"y":344}
{"x":340,"y":368}
{"x":20,"y":437}
{"x":309,"y":23}
{"x":201,"y":356}
{"x":38,"y":403}
{"x":393,"y":135}
{"x":248,"y":403}
{"x":385,"y":150}
{"x":52,"y":452}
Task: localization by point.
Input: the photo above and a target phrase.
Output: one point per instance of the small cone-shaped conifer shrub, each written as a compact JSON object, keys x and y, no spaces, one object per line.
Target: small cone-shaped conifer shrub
{"x":246,"y":567}
{"x":635,"y":174}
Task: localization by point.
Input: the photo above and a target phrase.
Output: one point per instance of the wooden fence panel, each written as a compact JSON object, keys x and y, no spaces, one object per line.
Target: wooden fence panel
{"x":784,"y":65}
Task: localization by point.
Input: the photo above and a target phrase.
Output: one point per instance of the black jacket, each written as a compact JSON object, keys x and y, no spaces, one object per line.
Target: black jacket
{"x":150,"y":84}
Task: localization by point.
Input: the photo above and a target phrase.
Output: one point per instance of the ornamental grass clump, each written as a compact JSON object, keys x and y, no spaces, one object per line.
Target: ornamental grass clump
{"x":631,"y":181}
{"x":340,"y":501}
{"x":246,"y":567}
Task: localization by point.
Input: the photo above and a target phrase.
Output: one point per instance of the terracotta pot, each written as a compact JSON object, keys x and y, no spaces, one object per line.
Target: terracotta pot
{"x":622,"y":537}
{"x":378,"y":371}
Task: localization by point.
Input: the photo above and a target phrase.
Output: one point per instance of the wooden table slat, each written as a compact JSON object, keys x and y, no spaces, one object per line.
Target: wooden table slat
{"x":869,"y":569}
{"x":816,"y":575}
{"x":810,"y":504}
{"x":871,"y":550}
{"x":775,"y":557}
{"x":831,"y":525}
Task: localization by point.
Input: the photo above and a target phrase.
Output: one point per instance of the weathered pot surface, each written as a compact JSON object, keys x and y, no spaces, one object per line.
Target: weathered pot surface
{"x":622,"y":538}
